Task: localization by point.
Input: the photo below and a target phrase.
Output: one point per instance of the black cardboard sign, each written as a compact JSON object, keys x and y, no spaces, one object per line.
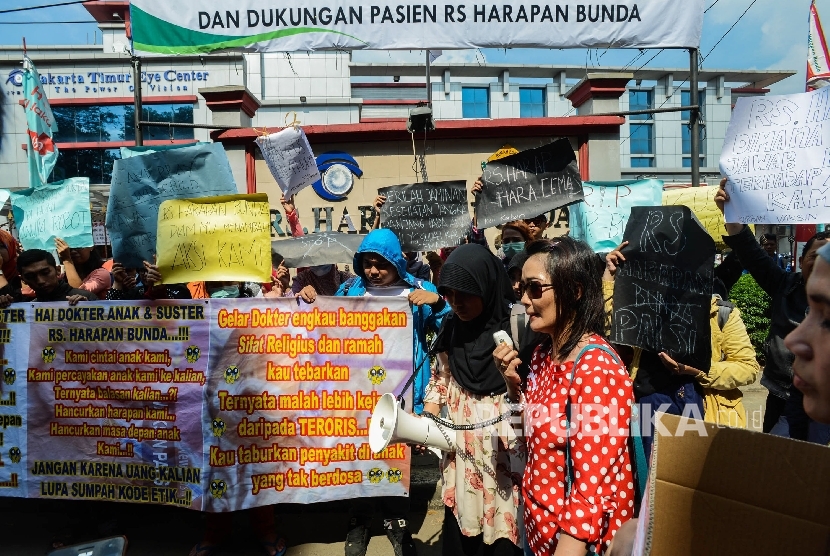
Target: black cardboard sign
{"x":318,"y":249}
{"x":426,"y":216}
{"x":663,"y":291}
{"x":528,"y":184}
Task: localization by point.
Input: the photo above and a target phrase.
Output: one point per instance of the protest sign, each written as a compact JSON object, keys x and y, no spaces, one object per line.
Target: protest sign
{"x":57,"y":209}
{"x":702,"y":202}
{"x":141,"y":183}
{"x":426,"y":216}
{"x":528,"y":184}
{"x":215,"y":239}
{"x":601,"y":218}
{"x":99,"y":234}
{"x":162,"y":27}
{"x":296,"y":399}
{"x":318,"y":249}
{"x":775,"y":159}
{"x":212,"y":405}
{"x":131,"y":151}
{"x":709,"y":492}
{"x":290,"y":159}
{"x":109,"y":400}
{"x":663,"y":291}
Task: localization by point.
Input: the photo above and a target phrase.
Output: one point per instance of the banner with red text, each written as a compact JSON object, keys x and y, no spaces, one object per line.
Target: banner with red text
{"x":214,"y":405}
{"x":290,"y":395}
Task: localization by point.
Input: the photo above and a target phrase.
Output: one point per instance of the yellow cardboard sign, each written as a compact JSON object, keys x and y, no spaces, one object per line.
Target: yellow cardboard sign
{"x":212,"y":239}
{"x":503,"y":152}
{"x":702,"y":202}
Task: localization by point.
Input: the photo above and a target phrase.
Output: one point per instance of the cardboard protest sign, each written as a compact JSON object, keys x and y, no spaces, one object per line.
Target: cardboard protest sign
{"x":215,"y":239}
{"x":212,"y":405}
{"x":600,"y":219}
{"x":528,"y":184}
{"x":775,"y":160}
{"x":702,"y":202}
{"x":318,"y":249}
{"x":663,"y":291}
{"x":141,"y":183}
{"x":290,"y":159}
{"x":709,"y":492}
{"x":57,"y":209}
{"x":426,"y":216}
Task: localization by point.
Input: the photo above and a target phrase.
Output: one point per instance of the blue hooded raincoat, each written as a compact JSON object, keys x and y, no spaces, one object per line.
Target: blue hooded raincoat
{"x":386,"y":244}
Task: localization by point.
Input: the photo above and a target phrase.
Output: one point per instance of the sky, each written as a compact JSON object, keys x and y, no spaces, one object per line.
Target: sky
{"x":772,"y":35}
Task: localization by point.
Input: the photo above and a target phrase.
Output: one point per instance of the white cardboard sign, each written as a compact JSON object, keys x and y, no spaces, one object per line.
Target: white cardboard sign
{"x":290,"y":159}
{"x":776,"y":157}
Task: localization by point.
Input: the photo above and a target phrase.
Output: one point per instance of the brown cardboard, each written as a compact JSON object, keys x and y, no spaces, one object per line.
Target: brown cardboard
{"x":733,"y":491}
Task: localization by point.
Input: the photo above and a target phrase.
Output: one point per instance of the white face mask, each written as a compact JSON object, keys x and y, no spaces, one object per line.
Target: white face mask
{"x":225,"y":292}
{"x":322,"y":270}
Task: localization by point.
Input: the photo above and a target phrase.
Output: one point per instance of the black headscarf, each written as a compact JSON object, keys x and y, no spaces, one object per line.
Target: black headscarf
{"x":469,"y":345}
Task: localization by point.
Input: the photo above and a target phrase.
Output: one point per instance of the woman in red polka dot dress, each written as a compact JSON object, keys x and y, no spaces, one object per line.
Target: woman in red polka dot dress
{"x":562,"y":294}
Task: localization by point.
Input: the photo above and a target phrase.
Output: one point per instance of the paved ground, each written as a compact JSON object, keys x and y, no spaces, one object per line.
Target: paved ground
{"x":29,"y":526}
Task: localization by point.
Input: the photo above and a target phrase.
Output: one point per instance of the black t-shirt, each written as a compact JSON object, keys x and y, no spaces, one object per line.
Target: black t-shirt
{"x":64,"y":290}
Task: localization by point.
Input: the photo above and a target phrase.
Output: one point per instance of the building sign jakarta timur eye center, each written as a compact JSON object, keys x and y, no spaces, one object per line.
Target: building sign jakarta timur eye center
{"x":167,"y":81}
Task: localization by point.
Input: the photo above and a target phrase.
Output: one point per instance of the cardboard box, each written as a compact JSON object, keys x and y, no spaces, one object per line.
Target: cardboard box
{"x":722,"y":491}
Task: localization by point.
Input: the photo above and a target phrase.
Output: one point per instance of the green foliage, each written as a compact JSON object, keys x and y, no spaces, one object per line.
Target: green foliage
{"x":755,"y":312}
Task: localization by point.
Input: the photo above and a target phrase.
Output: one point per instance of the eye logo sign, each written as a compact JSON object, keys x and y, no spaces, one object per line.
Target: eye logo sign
{"x":16,"y":78}
{"x":337,"y":171}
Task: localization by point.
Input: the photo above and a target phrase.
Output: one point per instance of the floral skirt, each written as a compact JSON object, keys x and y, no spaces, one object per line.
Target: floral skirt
{"x":482,"y":478}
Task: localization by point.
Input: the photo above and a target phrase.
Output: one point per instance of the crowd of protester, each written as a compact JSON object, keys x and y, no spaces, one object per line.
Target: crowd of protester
{"x":532,"y":488}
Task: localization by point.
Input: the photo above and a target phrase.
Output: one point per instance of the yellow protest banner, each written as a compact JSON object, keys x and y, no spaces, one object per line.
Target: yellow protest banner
{"x":212,"y":239}
{"x":702,"y":202}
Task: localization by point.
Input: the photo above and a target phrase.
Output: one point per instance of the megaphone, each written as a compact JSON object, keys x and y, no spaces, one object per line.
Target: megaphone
{"x":390,"y":423}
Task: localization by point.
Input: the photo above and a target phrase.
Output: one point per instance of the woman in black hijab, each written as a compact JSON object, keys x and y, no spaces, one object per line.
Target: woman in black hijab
{"x":481,"y":485}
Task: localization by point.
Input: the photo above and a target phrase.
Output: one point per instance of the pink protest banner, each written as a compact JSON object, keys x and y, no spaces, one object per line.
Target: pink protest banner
{"x":213,"y":405}
{"x":110,"y":397}
{"x":290,"y":395}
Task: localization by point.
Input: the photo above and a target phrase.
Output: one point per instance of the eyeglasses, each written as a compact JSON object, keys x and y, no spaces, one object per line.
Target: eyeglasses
{"x":534,"y":289}
{"x":538,"y":221}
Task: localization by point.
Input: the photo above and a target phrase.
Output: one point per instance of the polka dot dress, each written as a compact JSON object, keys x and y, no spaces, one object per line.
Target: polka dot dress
{"x":602,"y":494}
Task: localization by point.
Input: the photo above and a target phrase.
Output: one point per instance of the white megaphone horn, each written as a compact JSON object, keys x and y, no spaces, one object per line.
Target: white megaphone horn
{"x":390,"y":423}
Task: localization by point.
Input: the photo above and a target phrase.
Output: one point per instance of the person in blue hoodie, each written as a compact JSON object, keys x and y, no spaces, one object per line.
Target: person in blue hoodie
{"x":380,"y":266}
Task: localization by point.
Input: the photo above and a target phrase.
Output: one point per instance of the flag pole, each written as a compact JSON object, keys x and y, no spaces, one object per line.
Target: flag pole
{"x":137,"y":109}
{"x":694,"y":116}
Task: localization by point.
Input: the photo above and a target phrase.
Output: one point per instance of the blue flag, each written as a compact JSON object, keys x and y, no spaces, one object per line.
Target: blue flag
{"x":43,"y":153}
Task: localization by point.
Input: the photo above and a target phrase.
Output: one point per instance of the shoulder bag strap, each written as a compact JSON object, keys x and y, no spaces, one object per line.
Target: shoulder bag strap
{"x":569,"y":477}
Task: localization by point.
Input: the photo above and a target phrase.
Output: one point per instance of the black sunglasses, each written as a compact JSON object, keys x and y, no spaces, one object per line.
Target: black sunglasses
{"x":534,"y":289}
